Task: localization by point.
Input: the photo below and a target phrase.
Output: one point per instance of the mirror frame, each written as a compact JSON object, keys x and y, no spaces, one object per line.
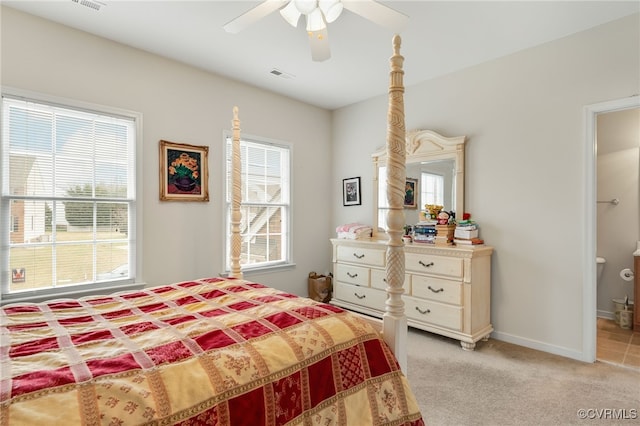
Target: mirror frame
{"x":424,"y":145}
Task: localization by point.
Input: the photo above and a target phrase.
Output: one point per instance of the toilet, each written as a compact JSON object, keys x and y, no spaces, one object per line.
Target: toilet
{"x":600,"y":261}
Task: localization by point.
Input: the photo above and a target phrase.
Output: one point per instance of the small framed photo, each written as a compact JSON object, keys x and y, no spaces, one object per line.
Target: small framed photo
{"x":351,"y":191}
{"x":184,"y":172}
{"x":411,"y":194}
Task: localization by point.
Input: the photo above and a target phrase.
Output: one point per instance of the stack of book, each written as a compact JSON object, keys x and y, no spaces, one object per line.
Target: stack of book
{"x":466,"y":233}
{"x":445,"y":235}
{"x":424,"y":233}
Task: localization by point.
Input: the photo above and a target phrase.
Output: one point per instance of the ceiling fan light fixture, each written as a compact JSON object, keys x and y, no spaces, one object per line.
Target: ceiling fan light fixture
{"x":291,"y":14}
{"x":306,"y":7}
{"x":331,"y":9}
{"x":315,"y":21}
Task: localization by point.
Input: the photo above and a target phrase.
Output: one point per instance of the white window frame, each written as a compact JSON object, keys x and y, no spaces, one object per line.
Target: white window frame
{"x":437,"y":191}
{"x":288,"y":261}
{"x":14,"y":225}
{"x":135,"y":220}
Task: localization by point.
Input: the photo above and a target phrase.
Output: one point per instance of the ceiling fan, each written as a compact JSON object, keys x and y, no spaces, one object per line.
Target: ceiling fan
{"x":318,"y":14}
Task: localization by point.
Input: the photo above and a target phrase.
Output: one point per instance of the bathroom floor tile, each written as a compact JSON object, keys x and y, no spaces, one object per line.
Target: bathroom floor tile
{"x":616,"y":357}
{"x":624,"y":338}
{"x":606,"y":325}
{"x":631,"y":360}
{"x":633,"y":350}
{"x":617,"y":345}
{"x":613,"y":345}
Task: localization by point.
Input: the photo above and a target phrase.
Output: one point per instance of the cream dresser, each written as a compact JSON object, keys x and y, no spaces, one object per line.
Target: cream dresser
{"x":447,"y":289}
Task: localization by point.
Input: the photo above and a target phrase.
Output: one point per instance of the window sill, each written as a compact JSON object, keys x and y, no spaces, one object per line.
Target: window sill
{"x":263,"y":270}
{"x":73,"y":293}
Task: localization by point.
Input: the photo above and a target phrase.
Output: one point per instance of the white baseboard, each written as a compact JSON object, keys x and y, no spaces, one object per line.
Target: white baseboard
{"x":545,"y":347}
{"x":605,"y":314}
{"x":540,"y":346}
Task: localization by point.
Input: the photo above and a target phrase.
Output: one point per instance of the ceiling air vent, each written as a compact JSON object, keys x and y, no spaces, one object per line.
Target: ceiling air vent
{"x":279,"y":73}
{"x":92,"y":4}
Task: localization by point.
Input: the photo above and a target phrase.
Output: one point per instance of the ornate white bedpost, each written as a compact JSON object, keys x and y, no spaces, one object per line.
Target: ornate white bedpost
{"x":236,"y":200}
{"x":394,"y":319}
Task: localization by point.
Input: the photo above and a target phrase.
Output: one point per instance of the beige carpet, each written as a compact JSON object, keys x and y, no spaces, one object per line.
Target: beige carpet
{"x":505,"y":384}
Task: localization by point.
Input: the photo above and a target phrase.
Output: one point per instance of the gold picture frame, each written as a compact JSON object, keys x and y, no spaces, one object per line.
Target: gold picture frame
{"x":184,"y":172}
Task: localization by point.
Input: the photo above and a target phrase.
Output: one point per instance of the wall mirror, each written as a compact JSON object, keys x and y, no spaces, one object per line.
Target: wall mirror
{"x":434,"y":164}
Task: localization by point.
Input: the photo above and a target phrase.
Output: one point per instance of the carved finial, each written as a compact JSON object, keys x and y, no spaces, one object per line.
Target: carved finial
{"x":396,"y":44}
{"x":235,"y":112}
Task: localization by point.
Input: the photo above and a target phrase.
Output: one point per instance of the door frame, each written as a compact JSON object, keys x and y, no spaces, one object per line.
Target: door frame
{"x":590,"y":302}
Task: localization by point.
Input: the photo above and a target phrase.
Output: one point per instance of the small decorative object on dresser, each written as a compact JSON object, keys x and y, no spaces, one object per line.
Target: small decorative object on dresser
{"x":354,"y":231}
{"x":466,"y":232}
{"x":444,"y":234}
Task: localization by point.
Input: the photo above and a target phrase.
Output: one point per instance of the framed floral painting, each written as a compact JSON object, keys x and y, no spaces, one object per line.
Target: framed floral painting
{"x":183,"y":172}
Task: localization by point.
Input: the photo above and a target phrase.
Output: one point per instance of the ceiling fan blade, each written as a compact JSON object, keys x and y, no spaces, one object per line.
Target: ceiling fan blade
{"x":252,"y":16}
{"x":378,"y":13}
{"x":319,"y":43}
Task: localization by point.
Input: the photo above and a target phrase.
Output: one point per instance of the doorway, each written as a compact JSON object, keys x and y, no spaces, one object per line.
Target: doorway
{"x":590,"y":231}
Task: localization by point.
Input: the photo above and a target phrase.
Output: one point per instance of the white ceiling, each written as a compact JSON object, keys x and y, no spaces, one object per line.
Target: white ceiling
{"x":441,"y":37}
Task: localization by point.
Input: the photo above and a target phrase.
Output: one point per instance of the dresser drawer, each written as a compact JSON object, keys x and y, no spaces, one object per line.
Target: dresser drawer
{"x":436,"y":285}
{"x":365,"y":256}
{"x":368,"y":297}
{"x":446,"y":291}
{"x":379,"y":279}
{"x":352,"y":274}
{"x":434,"y":313}
{"x":431,"y":264}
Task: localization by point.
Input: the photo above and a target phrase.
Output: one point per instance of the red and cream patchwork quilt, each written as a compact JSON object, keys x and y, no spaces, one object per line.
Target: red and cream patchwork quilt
{"x":205,"y":352}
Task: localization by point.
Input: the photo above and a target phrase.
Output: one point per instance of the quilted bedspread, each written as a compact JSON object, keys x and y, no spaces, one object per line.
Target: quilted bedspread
{"x":211,"y":351}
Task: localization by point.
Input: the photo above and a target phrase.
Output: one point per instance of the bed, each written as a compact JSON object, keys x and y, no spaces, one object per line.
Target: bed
{"x":214,"y":351}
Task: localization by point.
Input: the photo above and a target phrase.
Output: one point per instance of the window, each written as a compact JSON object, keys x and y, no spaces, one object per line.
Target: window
{"x":264,"y":229}
{"x":68,"y":193}
{"x":432,"y":191}
{"x":15,"y":224}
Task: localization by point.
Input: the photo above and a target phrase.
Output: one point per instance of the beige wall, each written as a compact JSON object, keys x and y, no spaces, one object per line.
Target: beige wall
{"x":523,"y":115}
{"x":181,"y":104}
{"x":525,"y":167}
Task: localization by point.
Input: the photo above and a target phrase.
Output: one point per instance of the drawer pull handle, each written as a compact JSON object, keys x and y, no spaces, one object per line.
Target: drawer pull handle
{"x":351,"y":275}
{"x":434,"y":290}
{"x":426,"y":265}
{"x":423,"y":312}
{"x":359,"y":296}
{"x":358,"y":256}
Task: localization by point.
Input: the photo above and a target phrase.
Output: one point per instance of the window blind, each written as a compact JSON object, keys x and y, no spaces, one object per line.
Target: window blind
{"x":68,"y":196}
{"x":265,"y":208}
